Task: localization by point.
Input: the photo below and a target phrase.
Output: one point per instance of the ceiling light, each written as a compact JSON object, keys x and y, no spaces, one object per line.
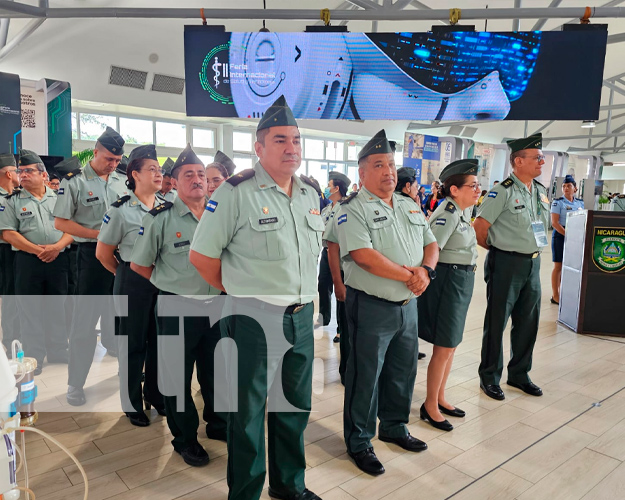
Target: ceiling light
{"x":588,"y":124}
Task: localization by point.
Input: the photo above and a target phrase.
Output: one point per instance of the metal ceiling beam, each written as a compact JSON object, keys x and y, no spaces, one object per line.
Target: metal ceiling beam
{"x":379,"y":14}
{"x":543,"y":127}
{"x":20,"y":37}
{"x":617,"y":38}
{"x":613,"y":87}
{"x":4,"y":31}
{"x":401,"y":4}
{"x":541,"y":22}
{"x":365,"y":4}
{"x":516,"y":23}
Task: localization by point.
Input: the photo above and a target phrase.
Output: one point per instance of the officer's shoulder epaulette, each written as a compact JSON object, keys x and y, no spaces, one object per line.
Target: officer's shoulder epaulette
{"x":237,"y":179}
{"x":349,"y":198}
{"x":621,"y":196}
{"x":73,"y":173}
{"x":450,"y":207}
{"x":159,"y":209}
{"x":311,"y":183}
{"x":507,"y":183}
{"x":558,"y":199}
{"x":120,"y":201}
{"x":15,"y":192}
{"x":540,"y":184}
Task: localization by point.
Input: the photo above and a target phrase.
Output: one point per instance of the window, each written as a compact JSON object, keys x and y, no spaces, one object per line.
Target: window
{"x":352,"y":173}
{"x":92,"y":126}
{"x":352,"y":152}
{"x":319,"y":171}
{"x":74,"y":125}
{"x":242,"y":162}
{"x":206,"y":159}
{"x":313,"y":149}
{"x":203,"y":138}
{"x":172,"y":135}
{"x":242,"y":141}
{"x":334,"y":150}
{"x":136,"y":131}
{"x":399,"y":159}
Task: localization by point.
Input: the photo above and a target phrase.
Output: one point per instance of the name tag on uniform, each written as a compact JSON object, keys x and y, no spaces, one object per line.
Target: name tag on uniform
{"x":379,"y":219}
{"x":569,"y":208}
{"x":182,"y":244}
{"x":519,"y":207}
{"x":269,"y":220}
{"x":95,"y":198}
{"x":440,"y":222}
{"x":463,"y":228}
{"x":24,"y":214}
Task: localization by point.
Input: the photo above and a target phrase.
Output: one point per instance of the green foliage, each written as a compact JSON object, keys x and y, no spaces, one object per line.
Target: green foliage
{"x":84,"y":156}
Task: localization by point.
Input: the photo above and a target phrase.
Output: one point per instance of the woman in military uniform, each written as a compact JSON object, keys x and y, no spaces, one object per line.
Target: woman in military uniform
{"x":559,"y":209}
{"x":444,"y":305}
{"x":137,"y":341}
{"x":218,"y":171}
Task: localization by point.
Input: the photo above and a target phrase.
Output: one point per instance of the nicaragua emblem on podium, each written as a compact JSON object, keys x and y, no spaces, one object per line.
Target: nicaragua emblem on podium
{"x":609,"y":249}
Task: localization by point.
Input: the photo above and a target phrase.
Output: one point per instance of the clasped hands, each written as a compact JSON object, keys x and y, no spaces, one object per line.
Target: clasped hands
{"x":419,"y":281}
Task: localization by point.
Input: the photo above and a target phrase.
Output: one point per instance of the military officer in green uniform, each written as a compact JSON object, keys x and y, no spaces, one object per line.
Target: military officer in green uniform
{"x":618,"y":203}
{"x":137,"y":330}
{"x":444,"y":305}
{"x":512,"y":223}
{"x":10,"y":317}
{"x":83,"y":199}
{"x":218,"y":171}
{"x":261,"y":237}
{"x":389,"y":254}
{"x":166,"y":193}
{"x":41,"y":263}
{"x":161,"y":254}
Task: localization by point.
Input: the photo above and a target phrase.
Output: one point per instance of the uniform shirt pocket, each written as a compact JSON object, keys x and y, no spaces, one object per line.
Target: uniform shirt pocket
{"x":520,"y":214}
{"x":179,"y":250}
{"x":383,"y":234}
{"x":315,"y":232}
{"x":266,"y":239}
{"x":418,"y":226}
{"x":28,"y":221}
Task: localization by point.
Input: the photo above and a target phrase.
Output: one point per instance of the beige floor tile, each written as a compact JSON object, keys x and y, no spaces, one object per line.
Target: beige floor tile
{"x":215,"y":491}
{"x":437,"y":484}
{"x":573,"y":479}
{"x":605,"y":386}
{"x":499,"y":485}
{"x":337,"y":494}
{"x":48,"y":483}
{"x":588,"y":372}
{"x":325,"y":449}
{"x":109,"y":486}
{"x":601,"y":419}
{"x":152,"y":470}
{"x":331,"y":474}
{"x":611,"y":442}
{"x":132,"y":436}
{"x":611,"y":487}
{"x":548,"y":454}
{"x":560,"y":412}
{"x":59,"y":459}
{"x":494,"y":451}
{"x":552,"y":392}
{"x":92,"y":433}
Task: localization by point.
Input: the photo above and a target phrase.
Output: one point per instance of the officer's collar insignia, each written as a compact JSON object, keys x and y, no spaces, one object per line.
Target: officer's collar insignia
{"x":265,"y":210}
{"x":314,"y":211}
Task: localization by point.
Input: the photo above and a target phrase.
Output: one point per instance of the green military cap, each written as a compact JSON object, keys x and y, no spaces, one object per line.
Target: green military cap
{"x":27,"y":157}
{"x":122,"y":166}
{"x":66,"y":166}
{"x":405,"y":174}
{"x":532,"y":142}
{"x":143,"y":152}
{"x":7,"y":160}
{"x":187,"y":157}
{"x":278,"y":115}
{"x":460,"y":167}
{"x":224,"y":159}
{"x":338,"y":176}
{"x":112,"y":141}
{"x":167,"y":166}
{"x":378,"y":144}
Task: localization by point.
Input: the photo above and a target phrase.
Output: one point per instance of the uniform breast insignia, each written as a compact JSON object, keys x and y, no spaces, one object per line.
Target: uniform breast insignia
{"x":621,"y":196}
{"x":314,"y":211}
{"x":414,"y":211}
{"x":341,"y":219}
{"x":237,"y":179}
{"x":118,"y":203}
{"x":161,"y":208}
{"x":73,"y":173}
{"x":507,"y":183}
{"x":265,"y":210}
{"x":451,"y":208}
{"x":349,"y":198}
{"x":543,"y":198}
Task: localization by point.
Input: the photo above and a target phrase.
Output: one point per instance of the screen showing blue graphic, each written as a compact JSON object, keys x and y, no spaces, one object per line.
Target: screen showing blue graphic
{"x":401,"y":76}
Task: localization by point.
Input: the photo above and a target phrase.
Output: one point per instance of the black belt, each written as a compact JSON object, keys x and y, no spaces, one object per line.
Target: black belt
{"x":470,"y":268}
{"x":266,"y":306}
{"x":88,"y":244}
{"x":518,"y":254}
{"x":398,"y":303}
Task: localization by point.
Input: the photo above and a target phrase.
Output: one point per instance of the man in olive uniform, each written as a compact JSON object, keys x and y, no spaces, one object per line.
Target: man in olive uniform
{"x":83,"y":198}
{"x":161,"y":254}
{"x":618,"y":203}
{"x":389,"y":255}
{"x":167,"y":193}
{"x":10,"y":317}
{"x":260,"y":237}
{"x":41,"y":263}
{"x":512,"y":223}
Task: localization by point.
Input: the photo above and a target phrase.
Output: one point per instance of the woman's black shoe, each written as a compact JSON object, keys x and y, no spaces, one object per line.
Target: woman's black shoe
{"x":159,"y":409}
{"x":456,"y":412}
{"x":443,"y":426}
{"x":553,"y":301}
{"x":139,"y":419}
{"x":421,"y":355}
{"x":336,"y":339}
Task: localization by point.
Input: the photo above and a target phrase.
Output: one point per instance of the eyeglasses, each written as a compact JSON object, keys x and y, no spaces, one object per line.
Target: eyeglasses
{"x":154,"y":170}
{"x":21,"y":171}
{"x":538,"y":158}
{"x":476,"y":186}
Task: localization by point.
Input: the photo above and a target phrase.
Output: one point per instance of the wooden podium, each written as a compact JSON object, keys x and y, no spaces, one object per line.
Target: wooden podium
{"x":592,"y":295}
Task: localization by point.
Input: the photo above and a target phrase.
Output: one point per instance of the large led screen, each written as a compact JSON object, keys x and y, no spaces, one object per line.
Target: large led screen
{"x":398,"y":76}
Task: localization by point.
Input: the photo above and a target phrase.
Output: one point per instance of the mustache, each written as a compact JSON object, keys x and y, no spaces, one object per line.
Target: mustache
{"x":197,"y":185}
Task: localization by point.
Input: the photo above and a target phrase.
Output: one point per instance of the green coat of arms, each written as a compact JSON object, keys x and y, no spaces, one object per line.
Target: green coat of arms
{"x":608,"y":252}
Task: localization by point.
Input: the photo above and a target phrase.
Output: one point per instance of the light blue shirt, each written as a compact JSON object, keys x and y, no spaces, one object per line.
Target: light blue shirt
{"x":562,"y":207}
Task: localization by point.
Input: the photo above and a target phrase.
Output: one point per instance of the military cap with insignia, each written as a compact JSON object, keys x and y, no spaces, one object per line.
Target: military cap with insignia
{"x":112,"y":141}
{"x":167,"y":166}
{"x":27,"y":157}
{"x":405,"y":174}
{"x":569,"y":179}
{"x":378,"y":144}
{"x":66,"y":166}
{"x":147,"y":151}
{"x":187,"y":157}
{"x":224,"y":159}
{"x":532,"y":142}
{"x":460,"y":167}
{"x":338,"y":176}
{"x":277,"y":115}
{"x":7,"y":160}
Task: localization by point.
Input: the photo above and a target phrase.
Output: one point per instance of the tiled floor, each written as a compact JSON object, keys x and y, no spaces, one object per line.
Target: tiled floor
{"x":563,"y":445}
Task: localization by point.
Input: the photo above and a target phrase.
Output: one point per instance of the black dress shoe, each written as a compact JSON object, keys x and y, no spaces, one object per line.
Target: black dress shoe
{"x":39,"y":368}
{"x":406,"y":442}
{"x":159,"y":409}
{"x":367,"y":462}
{"x":75,"y":396}
{"x":194,"y":455}
{"x":336,"y":339}
{"x":493,"y":391}
{"x":443,"y":426}
{"x":304,"y":495}
{"x":138,"y":418}
{"x":421,"y":355}
{"x":217,"y":435}
{"x":456,"y":412}
{"x":528,"y":388}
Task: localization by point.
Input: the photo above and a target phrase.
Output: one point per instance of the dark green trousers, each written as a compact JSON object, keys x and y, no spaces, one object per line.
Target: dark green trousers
{"x":342,"y":328}
{"x":10,"y":315}
{"x":41,"y":289}
{"x":200,"y":340}
{"x":93,"y":279}
{"x":381,"y":369}
{"x":137,"y":340}
{"x":257,"y":368}
{"x":512,"y":291}
{"x":325,"y":287}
